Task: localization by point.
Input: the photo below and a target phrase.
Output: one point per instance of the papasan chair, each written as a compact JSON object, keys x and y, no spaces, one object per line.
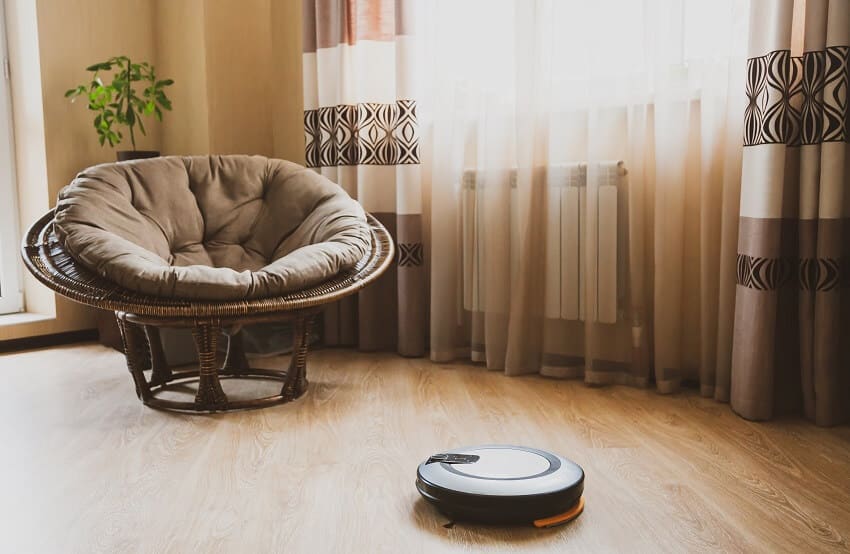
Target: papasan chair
{"x":211,"y":243}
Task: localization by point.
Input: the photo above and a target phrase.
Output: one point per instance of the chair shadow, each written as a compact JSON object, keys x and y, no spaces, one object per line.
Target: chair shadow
{"x":321,"y":398}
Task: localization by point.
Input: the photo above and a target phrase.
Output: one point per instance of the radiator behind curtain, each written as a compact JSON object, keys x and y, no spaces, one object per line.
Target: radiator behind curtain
{"x":576,"y":254}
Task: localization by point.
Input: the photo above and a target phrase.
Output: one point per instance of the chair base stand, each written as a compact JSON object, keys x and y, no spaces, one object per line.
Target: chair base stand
{"x":183,"y":379}
{"x":154,"y":379}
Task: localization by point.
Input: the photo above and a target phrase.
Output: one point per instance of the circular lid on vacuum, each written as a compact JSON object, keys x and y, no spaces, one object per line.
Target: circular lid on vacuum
{"x":491,"y":482}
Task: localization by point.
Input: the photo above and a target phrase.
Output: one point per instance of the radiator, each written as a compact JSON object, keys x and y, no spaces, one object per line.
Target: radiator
{"x":586,"y":238}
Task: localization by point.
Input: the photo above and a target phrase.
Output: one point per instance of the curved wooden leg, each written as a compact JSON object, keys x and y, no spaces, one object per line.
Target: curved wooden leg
{"x":160,"y":370}
{"x":235,"y":361}
{"x":210,"y":395}
{"x":296,"y":376}
{"x":135,"y":349}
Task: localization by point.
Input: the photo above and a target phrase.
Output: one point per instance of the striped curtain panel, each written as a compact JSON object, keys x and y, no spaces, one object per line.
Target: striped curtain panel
{"x":362,"y":132}
{"x":792,"y":316}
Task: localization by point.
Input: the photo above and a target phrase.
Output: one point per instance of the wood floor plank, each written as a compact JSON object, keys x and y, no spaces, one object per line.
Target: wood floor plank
{"x":755,"y":480}
{"x":86,"y":468}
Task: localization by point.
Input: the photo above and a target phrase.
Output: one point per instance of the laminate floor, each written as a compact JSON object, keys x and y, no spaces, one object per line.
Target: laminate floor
{"x":86,"y":468}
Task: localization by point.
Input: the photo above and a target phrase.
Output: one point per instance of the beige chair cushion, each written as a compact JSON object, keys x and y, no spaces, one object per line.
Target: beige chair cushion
{"x":211,"y":227}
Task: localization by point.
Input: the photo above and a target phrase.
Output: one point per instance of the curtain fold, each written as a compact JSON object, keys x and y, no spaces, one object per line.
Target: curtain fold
{"x":792,"y":317}
{"x":361,"y":131}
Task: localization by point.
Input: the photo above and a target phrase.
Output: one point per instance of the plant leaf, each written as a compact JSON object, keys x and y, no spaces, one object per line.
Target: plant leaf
{"x":116,"y":103}
{"x":102,"y":66}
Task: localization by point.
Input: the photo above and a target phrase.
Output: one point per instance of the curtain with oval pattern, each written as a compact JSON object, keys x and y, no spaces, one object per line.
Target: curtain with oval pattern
{"x":791,"y":348}
{"x":360,"y":120}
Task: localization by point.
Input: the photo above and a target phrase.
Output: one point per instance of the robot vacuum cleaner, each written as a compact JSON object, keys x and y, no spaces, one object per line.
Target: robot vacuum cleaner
{"x":503,"y":484}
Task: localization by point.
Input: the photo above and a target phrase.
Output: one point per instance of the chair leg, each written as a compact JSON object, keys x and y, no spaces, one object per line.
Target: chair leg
{"x":210,"y":395}
{"x":160,"y":370}
{"x":296,"y":376}
{"x":235,"y":361}
{"x":135,"y":348}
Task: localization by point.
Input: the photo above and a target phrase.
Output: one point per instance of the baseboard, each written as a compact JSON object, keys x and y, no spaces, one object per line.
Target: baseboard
{"x":43,"y":341}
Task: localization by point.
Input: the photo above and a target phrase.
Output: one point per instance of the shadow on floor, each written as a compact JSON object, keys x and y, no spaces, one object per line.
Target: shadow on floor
{"x":428,"y":519}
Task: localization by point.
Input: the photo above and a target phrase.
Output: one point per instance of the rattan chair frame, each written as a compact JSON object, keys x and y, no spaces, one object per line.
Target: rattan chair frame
{"x":140,"y":316}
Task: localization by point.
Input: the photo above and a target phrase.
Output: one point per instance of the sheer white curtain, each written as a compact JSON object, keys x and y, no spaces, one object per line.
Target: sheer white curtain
{"x":581,"y":171}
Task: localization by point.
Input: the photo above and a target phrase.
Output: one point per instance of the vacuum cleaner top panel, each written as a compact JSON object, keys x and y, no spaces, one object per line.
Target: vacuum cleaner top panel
{"x":500,"y":470}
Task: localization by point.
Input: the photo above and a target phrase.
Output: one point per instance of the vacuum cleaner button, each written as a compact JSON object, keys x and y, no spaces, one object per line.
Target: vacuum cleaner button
{"x":454,"y":458}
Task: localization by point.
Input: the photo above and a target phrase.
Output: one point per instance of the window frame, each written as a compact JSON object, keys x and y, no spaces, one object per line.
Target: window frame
{"x":11,"y":294}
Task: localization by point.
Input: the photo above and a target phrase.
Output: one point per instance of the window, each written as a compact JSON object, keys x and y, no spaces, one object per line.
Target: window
{"x":565,"y":56}
{"x":11,"y":299}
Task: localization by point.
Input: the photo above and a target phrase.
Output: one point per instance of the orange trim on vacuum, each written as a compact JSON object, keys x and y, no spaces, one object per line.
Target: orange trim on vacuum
{"x":569,"y":515}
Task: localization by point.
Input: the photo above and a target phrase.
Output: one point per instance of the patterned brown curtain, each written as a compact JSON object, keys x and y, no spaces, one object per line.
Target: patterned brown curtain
{"x":362,"y":132}
{"x":792,"y":316}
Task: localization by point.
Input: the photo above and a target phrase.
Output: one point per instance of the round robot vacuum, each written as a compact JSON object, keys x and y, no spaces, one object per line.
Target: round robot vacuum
{"x":503,"y":484}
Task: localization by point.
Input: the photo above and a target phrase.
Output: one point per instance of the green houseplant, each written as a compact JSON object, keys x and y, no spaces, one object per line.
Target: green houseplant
{"x":116,"y":102}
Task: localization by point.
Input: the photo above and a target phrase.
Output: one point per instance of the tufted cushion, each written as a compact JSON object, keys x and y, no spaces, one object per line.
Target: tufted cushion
{"x":211,"y":227}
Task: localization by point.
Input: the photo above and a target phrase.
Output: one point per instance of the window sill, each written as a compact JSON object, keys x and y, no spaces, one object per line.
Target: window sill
{"x":21,"y":318}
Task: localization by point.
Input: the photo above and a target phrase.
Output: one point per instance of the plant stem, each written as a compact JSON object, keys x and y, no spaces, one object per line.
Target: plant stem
{"x":130,"y":104}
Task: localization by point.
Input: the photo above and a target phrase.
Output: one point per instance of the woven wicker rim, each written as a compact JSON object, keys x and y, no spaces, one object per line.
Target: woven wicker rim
{"x":45,"y":256}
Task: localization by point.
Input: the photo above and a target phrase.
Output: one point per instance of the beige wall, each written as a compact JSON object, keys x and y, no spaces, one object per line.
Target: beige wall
{"x":287,"y":89}
{"x":237,"y":71}
{"x":181,"y":54}
{"x":239,"y":65}
{"x":72,"y":34}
